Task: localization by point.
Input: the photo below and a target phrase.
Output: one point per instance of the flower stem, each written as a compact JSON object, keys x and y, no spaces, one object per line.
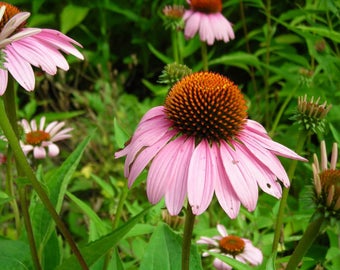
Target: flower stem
{"x":204,"y":52}
{"x":10,"y":108}
{"x":305,"y":242}
{"x":23,"y":165}
{"x":121,"y":202}
{"x":279,"y":221}
{"x":187,"y":235}
{"x":28,"y":226}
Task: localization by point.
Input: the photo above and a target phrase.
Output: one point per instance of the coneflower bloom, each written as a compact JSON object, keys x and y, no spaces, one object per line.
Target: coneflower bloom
{"x":205,"y":17}
{"x":41,"y":139}
{"x":22,"y":47}
{"x":232,"y":246}
{"x":200,"y":143}
{"x":327,"y":183}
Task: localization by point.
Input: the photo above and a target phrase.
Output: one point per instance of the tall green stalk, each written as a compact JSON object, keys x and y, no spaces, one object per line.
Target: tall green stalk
{"x":187,"y":237}
{"x":24,"y":166}
{"x":279,"y":221}
{"x":10,"y":108}
{"x":305,"y":243}
{"x":204,"y":53}
{"x":267,"y":61}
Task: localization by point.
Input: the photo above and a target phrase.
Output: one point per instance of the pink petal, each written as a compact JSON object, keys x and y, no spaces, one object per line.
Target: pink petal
{"x":240,"y":178}
{"x":201,"y":177}
{"x":160,"y":172}
{"x":192,"y":23}
{"x":225,"y":193}
{"x":175,"y":195}
{"x":264,"y":177}
{"x":39,"y":152}
{"x":222,"y":230}
{"x":53,"y":150}
{"x":3,"y":80}
{"x":144,"y":157}
{"x":20,"y":69}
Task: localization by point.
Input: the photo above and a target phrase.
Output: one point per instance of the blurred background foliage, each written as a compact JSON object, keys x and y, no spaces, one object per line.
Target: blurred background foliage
{"x":282,"y":50}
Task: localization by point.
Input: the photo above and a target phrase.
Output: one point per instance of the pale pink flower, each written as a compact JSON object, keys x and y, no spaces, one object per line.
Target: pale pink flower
{"x":205,"y":17}
{"x":200,"y":143}
{"x":22,"y":47}
{"x":232,"y":246}
{"x":39,"y":139}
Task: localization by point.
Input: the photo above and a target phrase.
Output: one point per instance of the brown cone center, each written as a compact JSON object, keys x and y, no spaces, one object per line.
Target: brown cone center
{"x":10,"y":11}
{"x":232,"y":245}
{"x":330,"y":178}
{"x":37,"y":137}
{"x":206,"y":6}
{"x":206,"y":105}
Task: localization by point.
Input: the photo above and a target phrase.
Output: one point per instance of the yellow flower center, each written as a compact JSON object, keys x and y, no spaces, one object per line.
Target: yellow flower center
{"x":232,"y":245}
{"x":206,"y":6}
{"x":37,"y":137}
{"x":206,"y":105}
{"x":9,"y":13}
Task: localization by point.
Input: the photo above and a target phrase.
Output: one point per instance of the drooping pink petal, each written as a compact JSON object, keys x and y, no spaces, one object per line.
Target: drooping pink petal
{"x":3,"y":80}
{"x":192,"y":23}
{"x":144,"y":157}
{"x":224,"y":191}
{"x":268,"y":159}
{"x":205,"y":30}
{"x":269,"y":144}
{"x":264,"y":177}
{"x":20,"y":69}
{"x":176,"y":192}
{"x":201,"y":177}
{"x":244,"y":186}
{"x":53,"y":150}
{"x":39,"y":152}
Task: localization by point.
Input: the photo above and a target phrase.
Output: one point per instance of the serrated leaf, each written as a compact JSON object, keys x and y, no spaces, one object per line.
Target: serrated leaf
{"x":97,"y":249}
{"x":164,"y":251}
{"x":71,"y":16}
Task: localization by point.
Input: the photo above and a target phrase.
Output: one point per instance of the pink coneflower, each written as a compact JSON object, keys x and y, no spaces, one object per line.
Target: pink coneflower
{"x":206,"y":18}
{"x":37,"y":138}
{"x":232,"y":246}
{"x":22,"y":47}
{"x":201,"y":142}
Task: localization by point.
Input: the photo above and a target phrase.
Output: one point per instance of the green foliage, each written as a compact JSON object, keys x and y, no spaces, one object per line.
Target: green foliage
{"x":280,"y":52}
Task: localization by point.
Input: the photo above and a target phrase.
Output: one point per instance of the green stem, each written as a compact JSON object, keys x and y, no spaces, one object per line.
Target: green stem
{"x":187,"y":236}
{"x":280,"y":113}
{"x":204,"y":52}
{"x":279,"y":221}
{"x":305,"y":243}
{"x":28,"y":226}
{"x":10,"y":191}
{"x":175,"y":45}
{"x":246,"y":38}
{"x":267,"y":61}
{"x":10,"y":108}
{"x":23,"y":165}
{"x":120,"y":205}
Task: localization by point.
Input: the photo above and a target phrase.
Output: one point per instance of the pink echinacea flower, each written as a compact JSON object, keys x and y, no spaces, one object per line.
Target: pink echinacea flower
{"x":200,"y":143}
{"x":205,"y":17}
{"x":37,"y":138}
{"x":232,"y":246}
{"x":22,"y":47}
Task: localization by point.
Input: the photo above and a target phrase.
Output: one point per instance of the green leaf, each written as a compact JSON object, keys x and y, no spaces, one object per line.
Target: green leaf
{"x":95,"y":250}
{"x":52,"y":252}
{"x":232,"y":262}
{"x":238,"y":59}
{"x":120,"y":135}
{"x":14,"y":255}
{"x":56,"y":184}
{"x":324,"y":32}
{"x":71,"y":16}
{"x":165,"y":59}
{"x":164,"y":251}
{"x":100,"y":227}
